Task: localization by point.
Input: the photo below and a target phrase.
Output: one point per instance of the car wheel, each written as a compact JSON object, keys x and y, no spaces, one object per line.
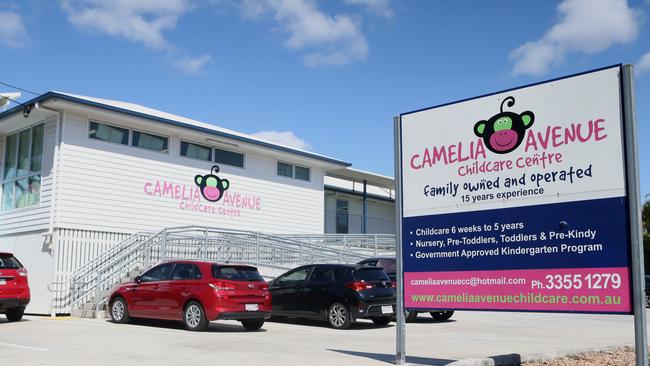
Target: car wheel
{"x":338,"y":316}
{"x":252,"y":324}
{"x":442,"y":315}
{"x":194,"y":317}
{"x":14,"y":315}
{"x":382,"y":320}
{"x":410,"y":315}
{"x":119,"y":311}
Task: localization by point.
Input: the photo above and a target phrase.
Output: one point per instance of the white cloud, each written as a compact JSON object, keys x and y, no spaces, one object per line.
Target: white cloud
{"x":643,"y":65}
{"x":329,"y":40}
{"x":287,"y":138}
{"x":192,"y":65}
{"x":142,"y":21}
{"x":381,"y":7}
{"x":12,"y":29}
{"x":587,"y":26}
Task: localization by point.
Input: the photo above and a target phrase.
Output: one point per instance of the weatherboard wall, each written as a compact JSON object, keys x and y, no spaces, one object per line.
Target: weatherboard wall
{"x":111,"y":187}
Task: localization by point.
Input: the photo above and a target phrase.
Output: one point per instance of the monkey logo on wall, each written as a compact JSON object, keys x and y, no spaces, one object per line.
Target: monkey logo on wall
{"x":505,"y":131}
{"x":211,"y":186}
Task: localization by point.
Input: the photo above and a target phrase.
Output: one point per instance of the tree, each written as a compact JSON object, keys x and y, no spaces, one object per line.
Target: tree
{"x":645,"y":222}
{"x":645,"y":216}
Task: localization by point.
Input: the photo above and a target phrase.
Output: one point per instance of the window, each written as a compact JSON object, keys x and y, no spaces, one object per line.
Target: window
{"x":229,"y":157}
{"x":104,"y":132}
{"x":294,"y":277}
{"x":322,"y":274}
{"x":21,"y":177}
{"x":368,"y":275}
{"x":293,"y":171}
{"x":186,"y":271}
{"x":196,"y":151}
{"x":301,"y":173}
{"x":8,"y":261}
{"x":285,"y":170}
{"x":236,"y":273}
{"x":160,"y":272}
{"x":150,"y":142}
{"x":342,"y":217}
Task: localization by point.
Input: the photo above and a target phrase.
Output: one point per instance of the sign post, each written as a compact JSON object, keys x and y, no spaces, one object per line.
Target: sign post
{"x":523,"y":200}
{"x":401,"y":326}
{"x":638,"y":277}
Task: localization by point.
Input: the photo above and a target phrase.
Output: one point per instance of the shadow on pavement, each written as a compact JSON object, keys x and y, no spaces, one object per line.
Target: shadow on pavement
{"x":390,"y":358}
{"x":359,"y":325}
{"x":213,"y":327}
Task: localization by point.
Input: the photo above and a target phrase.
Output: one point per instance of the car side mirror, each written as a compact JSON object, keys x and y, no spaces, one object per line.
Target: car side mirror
{"x":138,"y":279}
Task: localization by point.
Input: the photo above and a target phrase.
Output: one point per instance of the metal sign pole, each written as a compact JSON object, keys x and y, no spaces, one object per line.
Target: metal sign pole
{"x":638,"y":279}
{"x":401,"y":328}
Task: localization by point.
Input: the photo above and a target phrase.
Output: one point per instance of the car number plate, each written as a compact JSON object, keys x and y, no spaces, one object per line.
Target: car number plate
{"x":252,"y":307}
{"x":3,"y":282}
{"x":387,"y":309}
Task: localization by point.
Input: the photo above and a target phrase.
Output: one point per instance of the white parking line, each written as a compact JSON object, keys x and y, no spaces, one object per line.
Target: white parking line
{"x":25,"y":347}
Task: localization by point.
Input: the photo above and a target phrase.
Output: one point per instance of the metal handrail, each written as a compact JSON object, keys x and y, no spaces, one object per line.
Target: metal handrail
{"x":92,"y":281}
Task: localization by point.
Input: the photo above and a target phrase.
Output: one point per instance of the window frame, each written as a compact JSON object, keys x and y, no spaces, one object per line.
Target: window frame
{"x":214,"y":157}
{"x":293,"y":171}
{"x":128,"y":135}
{"x":169,"y":139}
{"x":180,"y":150}
{"x":30,"y":173}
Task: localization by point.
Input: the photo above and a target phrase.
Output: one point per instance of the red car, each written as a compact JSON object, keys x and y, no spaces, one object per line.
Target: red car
{"x":194,"y":292}
{"x":14,"y":287}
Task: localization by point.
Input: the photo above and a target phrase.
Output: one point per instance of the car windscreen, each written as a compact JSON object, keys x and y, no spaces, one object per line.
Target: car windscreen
{"x":8,"y":261}
{"x":370,"y":275}
{"x":236,"y":273}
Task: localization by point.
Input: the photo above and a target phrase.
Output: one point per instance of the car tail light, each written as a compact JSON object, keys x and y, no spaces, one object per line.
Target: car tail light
{"x":265,"y":287}
{"x":222,"y":286}
{"x":358,"y":286}
{"x":22,"y":272}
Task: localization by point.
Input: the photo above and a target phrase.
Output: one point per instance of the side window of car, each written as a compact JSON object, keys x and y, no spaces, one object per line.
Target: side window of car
{"x":294,"y":277}
{"x":186,"y":271}
{"x":322,"y":274}
{"x":160,"y":272}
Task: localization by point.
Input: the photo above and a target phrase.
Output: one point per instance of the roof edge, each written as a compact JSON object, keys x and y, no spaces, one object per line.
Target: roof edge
{"x":55,"y":95}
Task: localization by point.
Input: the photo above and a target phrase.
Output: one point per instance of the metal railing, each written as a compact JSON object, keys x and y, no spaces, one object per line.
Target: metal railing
{"x":369,"y":244}
{"x":91,"y":282}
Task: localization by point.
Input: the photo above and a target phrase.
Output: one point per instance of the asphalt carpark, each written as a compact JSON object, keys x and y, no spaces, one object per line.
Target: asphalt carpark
{"x":71,"y":341}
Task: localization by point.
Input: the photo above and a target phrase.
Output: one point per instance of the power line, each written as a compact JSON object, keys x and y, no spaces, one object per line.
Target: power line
{"x":21,"y":89}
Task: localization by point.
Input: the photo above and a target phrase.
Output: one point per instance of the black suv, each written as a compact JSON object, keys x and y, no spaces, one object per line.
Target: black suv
{"x":337,"y":293}
{"x":389,"y":265}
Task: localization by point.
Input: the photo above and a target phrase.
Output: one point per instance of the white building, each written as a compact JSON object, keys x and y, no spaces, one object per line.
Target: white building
{"x":358,"y":202}
{"x":78,"y":174}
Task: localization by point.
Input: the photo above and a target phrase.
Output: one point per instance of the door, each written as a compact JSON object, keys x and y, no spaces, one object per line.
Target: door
{"x":319,"y":290}
{"x":148,"y":296}
{"x":287,"y":290}
{"x":183,"y":285}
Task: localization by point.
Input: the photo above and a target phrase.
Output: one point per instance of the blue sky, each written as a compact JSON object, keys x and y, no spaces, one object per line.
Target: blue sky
{"x":328,"y":75}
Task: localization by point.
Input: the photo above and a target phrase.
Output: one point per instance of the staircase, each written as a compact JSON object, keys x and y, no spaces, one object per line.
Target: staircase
{"x":271,"y":254}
